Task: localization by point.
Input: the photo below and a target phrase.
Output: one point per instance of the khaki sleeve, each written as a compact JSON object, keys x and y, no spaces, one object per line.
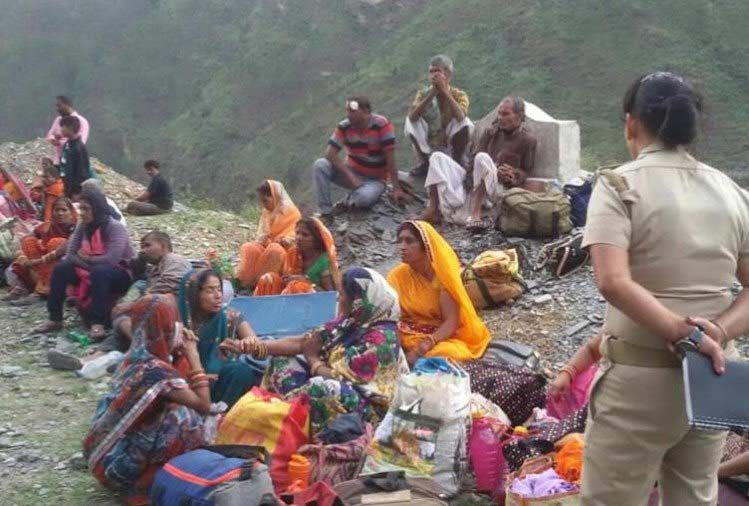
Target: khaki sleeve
{"x":744,"y":229}
{"x":608,"y":220}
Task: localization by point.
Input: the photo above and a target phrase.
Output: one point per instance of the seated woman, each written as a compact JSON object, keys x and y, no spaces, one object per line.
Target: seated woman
{"x":97,"y":262}
{"x":42,"y":250}
{"x":311,"y":265}
{"x":351,"y":363}
{"x":437,"y":316}
{"x":202,"y":312}
{"x":15,"y":200}
{"x":275,"y":235}
{"x":153,"y":412}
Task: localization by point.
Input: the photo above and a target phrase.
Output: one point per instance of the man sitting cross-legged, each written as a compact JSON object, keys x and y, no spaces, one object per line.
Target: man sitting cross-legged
{"x":503,"y":158}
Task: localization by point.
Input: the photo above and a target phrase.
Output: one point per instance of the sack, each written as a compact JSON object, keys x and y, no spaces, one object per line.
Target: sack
{"x":264,"y":419}
{"x":10,"y":246}
{"x":536,"y":466}
{"x":425,"y":431}
{"x":388,"y":486}
{"x":336,"y":463}
{"x":564,"y":256}
{"x":579,"y":196}
{"x":523,"y":213}
{"x":233,"y":475}
{"x":493,"y":277}
{"x":511,"y":353}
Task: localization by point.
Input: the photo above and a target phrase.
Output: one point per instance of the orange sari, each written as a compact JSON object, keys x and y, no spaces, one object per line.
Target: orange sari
{"x":420,"y":308}
{"x":272,"y":283}
{"x":266,"y":254}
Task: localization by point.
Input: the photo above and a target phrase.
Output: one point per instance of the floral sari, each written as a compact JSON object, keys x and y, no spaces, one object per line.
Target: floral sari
{"x":136,"y":430}
{"x":361,"y":348}
{"x":419,"y":300}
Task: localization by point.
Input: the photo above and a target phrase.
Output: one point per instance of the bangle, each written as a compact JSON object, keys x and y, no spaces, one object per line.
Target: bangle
{"x":316,"y":367}
{"x":722,"y":330}
{"x":195,"y":372}
{"x":571,"y":371}
{"x":261,"y":350}
{"x":199,"y":384}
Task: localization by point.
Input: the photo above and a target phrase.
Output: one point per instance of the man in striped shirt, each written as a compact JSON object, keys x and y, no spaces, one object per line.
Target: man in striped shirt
{"x":369,"y":140}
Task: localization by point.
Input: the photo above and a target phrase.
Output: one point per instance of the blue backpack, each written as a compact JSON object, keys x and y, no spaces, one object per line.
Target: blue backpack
{"x":221,"y":475}
{"x":579,"y":196}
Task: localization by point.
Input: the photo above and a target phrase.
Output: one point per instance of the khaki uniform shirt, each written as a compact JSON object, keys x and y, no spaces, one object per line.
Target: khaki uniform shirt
{"x":686,"y":227}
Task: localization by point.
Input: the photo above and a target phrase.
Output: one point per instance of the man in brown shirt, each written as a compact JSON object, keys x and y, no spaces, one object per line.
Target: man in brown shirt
{"x":503,"y":158}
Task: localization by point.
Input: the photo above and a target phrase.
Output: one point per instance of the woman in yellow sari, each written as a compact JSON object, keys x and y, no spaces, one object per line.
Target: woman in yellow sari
{"x":274,"y":236}
{"x":311,"y":265}
{"x":437,"y":316}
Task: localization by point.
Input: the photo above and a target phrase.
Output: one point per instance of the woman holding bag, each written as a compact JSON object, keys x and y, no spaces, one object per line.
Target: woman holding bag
{"x":668,"y":236}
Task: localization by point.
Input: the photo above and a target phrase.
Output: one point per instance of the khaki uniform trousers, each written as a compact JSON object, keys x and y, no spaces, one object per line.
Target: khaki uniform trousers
{"x":637,"y":433}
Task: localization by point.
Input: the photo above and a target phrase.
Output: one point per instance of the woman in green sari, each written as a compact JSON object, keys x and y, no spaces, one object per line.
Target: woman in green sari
{"x":221,"y":332}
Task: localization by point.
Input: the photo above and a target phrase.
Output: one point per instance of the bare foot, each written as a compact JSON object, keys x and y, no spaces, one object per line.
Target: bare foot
{"x":430,"y":215}
{"x":97,"y":332}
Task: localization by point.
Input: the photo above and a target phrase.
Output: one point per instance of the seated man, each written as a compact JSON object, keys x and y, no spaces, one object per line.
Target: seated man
{"x":438,"y":118}
{"x":163,"y":270}
{"x":370,"y":142}
{"x":503,"y":158}
{"x":158,"y":197}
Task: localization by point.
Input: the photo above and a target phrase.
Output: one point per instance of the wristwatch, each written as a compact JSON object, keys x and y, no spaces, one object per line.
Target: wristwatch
{"x":696,"y":336}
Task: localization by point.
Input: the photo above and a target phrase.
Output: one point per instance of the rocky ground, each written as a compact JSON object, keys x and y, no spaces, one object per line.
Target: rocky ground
{"x":45,"y":413}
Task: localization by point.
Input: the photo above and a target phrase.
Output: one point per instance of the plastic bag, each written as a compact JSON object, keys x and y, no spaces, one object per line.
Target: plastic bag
{"x":485,"y":452}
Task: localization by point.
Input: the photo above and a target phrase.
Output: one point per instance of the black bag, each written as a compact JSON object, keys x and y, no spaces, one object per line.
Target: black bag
{"x":564,"y":256}
{"x":517,"y":354}
{"x":579,"y":196}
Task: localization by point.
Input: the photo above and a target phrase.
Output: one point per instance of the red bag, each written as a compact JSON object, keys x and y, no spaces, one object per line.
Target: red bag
{"x":261,"y":418}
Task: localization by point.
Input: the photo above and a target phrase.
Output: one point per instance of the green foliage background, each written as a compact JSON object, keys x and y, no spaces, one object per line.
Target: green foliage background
{"x":228,"y":92}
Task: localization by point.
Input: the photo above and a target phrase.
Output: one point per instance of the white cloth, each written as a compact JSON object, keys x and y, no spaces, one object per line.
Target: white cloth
{"x":449,"y":176}
{"x":420,"y":132}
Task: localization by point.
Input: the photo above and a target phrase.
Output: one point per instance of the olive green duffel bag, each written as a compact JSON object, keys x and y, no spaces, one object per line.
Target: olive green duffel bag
{"x":524,"y":213}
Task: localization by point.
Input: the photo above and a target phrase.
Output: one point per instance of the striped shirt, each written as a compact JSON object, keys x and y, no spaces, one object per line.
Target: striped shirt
{"x":366,"y":148}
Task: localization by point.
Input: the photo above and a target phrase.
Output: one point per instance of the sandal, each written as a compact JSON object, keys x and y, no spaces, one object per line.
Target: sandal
{"x":62,"y":361}
{"x":47,"y":327}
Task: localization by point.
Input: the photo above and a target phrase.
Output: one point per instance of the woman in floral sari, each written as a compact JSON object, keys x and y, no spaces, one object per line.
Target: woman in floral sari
{"x":437,"y":316}
{"x":275,"y":234}
{"x":153,"y":412}
{"x":311,"y":265}
{"x":42,"y":250}
{"x":351,"y":363}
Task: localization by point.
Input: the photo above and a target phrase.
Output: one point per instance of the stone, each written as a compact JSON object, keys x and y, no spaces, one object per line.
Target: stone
{"x":574,"y":329}
{"x":11,"y":371}
{"x":542,"y":299}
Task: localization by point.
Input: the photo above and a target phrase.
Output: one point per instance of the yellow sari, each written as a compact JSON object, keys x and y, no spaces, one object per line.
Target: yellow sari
{"x":420,"y":306}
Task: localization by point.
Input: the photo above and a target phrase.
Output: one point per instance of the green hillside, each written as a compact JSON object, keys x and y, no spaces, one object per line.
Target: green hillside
{"x":229,"y":92}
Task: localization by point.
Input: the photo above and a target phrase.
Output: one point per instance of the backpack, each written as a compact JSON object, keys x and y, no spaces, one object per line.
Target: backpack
{"x":221,"y":475}
{"x":524,"y":213}
{"x":493,"y":277}
{"x":579,"y":196}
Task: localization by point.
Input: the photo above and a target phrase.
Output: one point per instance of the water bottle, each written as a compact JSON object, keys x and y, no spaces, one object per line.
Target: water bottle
{"x":98,"y":367}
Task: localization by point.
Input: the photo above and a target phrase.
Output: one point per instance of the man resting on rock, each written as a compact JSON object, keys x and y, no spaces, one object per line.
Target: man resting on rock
{"x":438,"y":118}
{"x":369,"y":140}
{"x":503,"y":158}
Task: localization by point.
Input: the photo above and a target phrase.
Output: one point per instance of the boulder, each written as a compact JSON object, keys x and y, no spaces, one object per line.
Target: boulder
{"x":558,"y":149}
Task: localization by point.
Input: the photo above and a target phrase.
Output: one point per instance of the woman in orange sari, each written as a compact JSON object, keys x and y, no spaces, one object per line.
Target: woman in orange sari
{"x":275,"y":235}
{"x":311,"y":265}
{"x":42,"y":250}
{"x":437,"y":316}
